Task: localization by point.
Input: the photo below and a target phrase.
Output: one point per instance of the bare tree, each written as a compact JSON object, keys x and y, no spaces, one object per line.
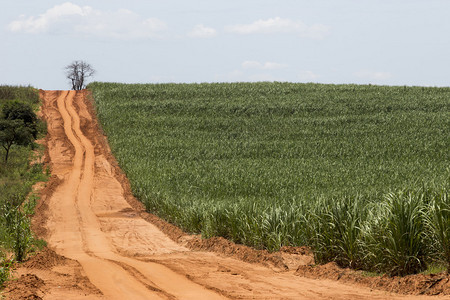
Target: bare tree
{"x":77,"y":72}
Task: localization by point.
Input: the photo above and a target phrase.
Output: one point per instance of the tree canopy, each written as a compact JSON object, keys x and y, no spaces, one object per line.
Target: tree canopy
{"x":18,"y":126}
{"x":77,"y":72}
{"x":15,"y":110}
{"x":14,"y":132}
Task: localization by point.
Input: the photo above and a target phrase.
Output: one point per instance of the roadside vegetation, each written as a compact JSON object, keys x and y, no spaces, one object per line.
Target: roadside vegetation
{"x":359,"y":173}
{"x":19,"y":127}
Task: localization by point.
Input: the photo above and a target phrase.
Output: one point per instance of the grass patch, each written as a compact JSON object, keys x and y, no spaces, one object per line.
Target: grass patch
{"x":434,"y":269}
{"x":17,"y":177}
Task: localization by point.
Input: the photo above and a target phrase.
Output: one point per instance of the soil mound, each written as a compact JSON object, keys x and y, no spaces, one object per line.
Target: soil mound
{"x":245,"y":253}
{"x":418,"y":284}
{"x":296,"y":250}
{"x":45,"y":259}
{"x":27,"y":286}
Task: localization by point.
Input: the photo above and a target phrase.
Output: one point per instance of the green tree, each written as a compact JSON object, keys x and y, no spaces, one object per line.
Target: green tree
{"x":15,"y":110}
{"x":14,"y":132}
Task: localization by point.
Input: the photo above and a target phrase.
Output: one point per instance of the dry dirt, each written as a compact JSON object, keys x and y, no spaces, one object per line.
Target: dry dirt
{"x":102,"y":245}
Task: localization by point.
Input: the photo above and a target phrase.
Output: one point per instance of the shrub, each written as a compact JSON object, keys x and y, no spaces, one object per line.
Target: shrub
{"x":396,"y":240}
{"x":336,"y":232}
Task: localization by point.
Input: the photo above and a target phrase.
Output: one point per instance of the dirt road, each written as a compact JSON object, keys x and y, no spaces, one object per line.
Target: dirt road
{"x":119,"y":255}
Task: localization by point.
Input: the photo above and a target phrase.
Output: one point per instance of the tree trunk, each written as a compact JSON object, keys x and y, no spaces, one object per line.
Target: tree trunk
{"x":7,"y":154}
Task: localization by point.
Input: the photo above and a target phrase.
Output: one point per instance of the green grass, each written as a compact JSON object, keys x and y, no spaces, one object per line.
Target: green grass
{"x":272,"y":164}
{"x":26,"y":94}
{"x":434,"y":269}
{"x":16,"y":180}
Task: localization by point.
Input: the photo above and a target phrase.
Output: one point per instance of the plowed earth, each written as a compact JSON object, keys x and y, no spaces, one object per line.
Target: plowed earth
{"x":102,"y":245}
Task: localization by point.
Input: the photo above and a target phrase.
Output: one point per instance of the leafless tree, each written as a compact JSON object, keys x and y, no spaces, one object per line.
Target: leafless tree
{"x":77,"y":72}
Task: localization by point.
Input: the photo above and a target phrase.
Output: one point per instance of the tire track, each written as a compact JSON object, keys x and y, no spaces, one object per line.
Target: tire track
{"x":116,"y":276}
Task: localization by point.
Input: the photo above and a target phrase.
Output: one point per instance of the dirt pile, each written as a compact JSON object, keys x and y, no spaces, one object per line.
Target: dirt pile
{"x":45,"y":259}
{"x":27,"y":286}
{"x":419,"y":284}
{"x":244,"y":253}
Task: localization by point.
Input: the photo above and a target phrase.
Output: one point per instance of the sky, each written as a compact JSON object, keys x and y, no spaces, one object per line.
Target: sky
{"x":383,"y":42}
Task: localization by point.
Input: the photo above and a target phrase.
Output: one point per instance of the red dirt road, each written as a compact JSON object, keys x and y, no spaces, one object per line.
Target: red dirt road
{"x":106,"y":250}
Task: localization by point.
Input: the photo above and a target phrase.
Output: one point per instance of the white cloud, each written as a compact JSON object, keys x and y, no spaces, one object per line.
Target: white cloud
{"x":249,"y":64}
{"x":51,"y":16}
{"x":201,"y":31}
{"x":373,"y":75}
{"x":307,"y":76}
{"x":280,"y":25}
{"x":69,"y":18}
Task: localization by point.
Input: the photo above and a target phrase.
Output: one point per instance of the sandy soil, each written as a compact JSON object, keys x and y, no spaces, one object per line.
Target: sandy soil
{"x":103,"y":246}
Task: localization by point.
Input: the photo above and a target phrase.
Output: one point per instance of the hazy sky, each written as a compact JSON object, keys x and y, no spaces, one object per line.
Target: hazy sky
{"x":389,"y":42}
